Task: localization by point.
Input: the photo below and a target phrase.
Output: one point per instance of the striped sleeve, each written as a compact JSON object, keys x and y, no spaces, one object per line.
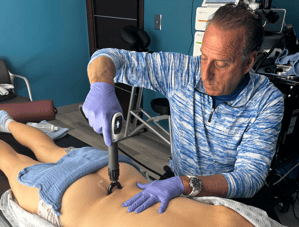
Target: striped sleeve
{"x":162,"y":72}
{"x":256,"y":150}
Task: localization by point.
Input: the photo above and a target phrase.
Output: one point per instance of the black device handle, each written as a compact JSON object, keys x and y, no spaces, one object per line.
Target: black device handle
{"x":113,"y":164}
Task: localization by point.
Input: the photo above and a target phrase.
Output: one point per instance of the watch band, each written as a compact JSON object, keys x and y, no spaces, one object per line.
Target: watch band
{"x":196,"y":185}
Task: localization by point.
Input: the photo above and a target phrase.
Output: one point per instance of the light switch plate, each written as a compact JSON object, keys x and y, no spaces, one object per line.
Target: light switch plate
{"x":158,"y":19}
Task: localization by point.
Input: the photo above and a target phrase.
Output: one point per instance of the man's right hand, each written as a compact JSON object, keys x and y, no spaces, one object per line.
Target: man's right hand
{"x":100,"y":105}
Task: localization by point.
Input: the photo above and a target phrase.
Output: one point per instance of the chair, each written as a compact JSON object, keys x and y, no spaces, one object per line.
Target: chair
{"x":139,"y":40}
{"x":6,"y":77}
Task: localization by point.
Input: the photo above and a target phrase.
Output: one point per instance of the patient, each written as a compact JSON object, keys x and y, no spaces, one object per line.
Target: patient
{"x":85,"y":201}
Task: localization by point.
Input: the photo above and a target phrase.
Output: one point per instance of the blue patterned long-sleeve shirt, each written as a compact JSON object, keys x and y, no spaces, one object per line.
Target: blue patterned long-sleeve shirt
{"x":236,"y":139}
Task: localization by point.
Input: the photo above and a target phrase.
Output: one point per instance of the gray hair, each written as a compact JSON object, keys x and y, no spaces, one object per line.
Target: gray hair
{"x":231,"y":16}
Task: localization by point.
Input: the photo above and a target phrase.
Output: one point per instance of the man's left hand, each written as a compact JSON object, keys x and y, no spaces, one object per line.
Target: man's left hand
{"x":157,"y":191}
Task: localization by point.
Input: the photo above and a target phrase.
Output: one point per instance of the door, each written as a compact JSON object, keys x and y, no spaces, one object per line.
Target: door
{"x":105,"y":19}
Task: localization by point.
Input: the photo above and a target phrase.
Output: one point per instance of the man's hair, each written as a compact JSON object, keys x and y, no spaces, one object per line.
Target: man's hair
{"x":231,"y":16}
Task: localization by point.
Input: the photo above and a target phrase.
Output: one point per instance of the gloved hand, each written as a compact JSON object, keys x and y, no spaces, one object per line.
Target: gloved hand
{"x":157,"y":191}
{"x":100,"y":105}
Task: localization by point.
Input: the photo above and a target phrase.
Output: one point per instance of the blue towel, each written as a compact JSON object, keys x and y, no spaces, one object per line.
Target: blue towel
{"x":52,"y":179}
{"x":283,"y":59}
{"x":61,"y":132}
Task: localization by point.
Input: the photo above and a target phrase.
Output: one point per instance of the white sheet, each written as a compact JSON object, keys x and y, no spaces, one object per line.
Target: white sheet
{"x":17,"y":216}
{"x":255,"y":215}
{"x":3,"y":222}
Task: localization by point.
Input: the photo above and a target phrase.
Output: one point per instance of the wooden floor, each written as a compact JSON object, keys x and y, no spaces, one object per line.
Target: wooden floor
{"x":147,"y":148}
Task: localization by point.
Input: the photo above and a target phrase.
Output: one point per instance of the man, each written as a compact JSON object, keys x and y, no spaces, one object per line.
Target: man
{"x":225,"y":118}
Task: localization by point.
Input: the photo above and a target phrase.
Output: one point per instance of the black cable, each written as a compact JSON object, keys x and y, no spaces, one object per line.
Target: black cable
{"x":191,"y":28}
{"x":139,"y":162}
{"x":297,"y":198}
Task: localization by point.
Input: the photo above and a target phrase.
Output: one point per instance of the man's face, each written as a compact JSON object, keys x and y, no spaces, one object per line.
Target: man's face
{"x":222,"y":68}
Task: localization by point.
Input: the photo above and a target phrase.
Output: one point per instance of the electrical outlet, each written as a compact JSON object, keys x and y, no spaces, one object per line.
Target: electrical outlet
{"x":158,"y":19}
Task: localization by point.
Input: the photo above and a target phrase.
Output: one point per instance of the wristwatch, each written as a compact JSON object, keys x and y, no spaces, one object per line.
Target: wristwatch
{"x":196,"y":186}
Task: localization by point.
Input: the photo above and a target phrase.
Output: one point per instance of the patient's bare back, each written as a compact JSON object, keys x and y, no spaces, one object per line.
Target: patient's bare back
{"x":85,"y":203}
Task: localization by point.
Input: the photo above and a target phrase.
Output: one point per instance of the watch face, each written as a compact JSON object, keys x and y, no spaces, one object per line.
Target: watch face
{"x":196,"y":183}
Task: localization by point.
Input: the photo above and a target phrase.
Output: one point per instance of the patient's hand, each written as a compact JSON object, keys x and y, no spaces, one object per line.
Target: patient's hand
{"x":157,"y":191}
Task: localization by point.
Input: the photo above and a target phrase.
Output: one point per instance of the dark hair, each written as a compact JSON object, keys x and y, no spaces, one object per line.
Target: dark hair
{"x":231,"y":16}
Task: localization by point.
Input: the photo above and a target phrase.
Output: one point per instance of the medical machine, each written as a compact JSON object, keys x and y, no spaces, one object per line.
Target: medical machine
{"x":283,"y":178}
{"x":281,"y":186}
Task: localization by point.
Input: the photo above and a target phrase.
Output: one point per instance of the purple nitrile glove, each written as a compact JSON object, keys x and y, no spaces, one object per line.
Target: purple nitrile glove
{"x":157,"y":191}
{"x":100,"y":105}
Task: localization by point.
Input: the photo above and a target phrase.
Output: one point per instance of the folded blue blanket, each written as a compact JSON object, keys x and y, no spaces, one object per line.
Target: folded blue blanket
{"x":283,"y":59}
{"x":52,"y":179}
